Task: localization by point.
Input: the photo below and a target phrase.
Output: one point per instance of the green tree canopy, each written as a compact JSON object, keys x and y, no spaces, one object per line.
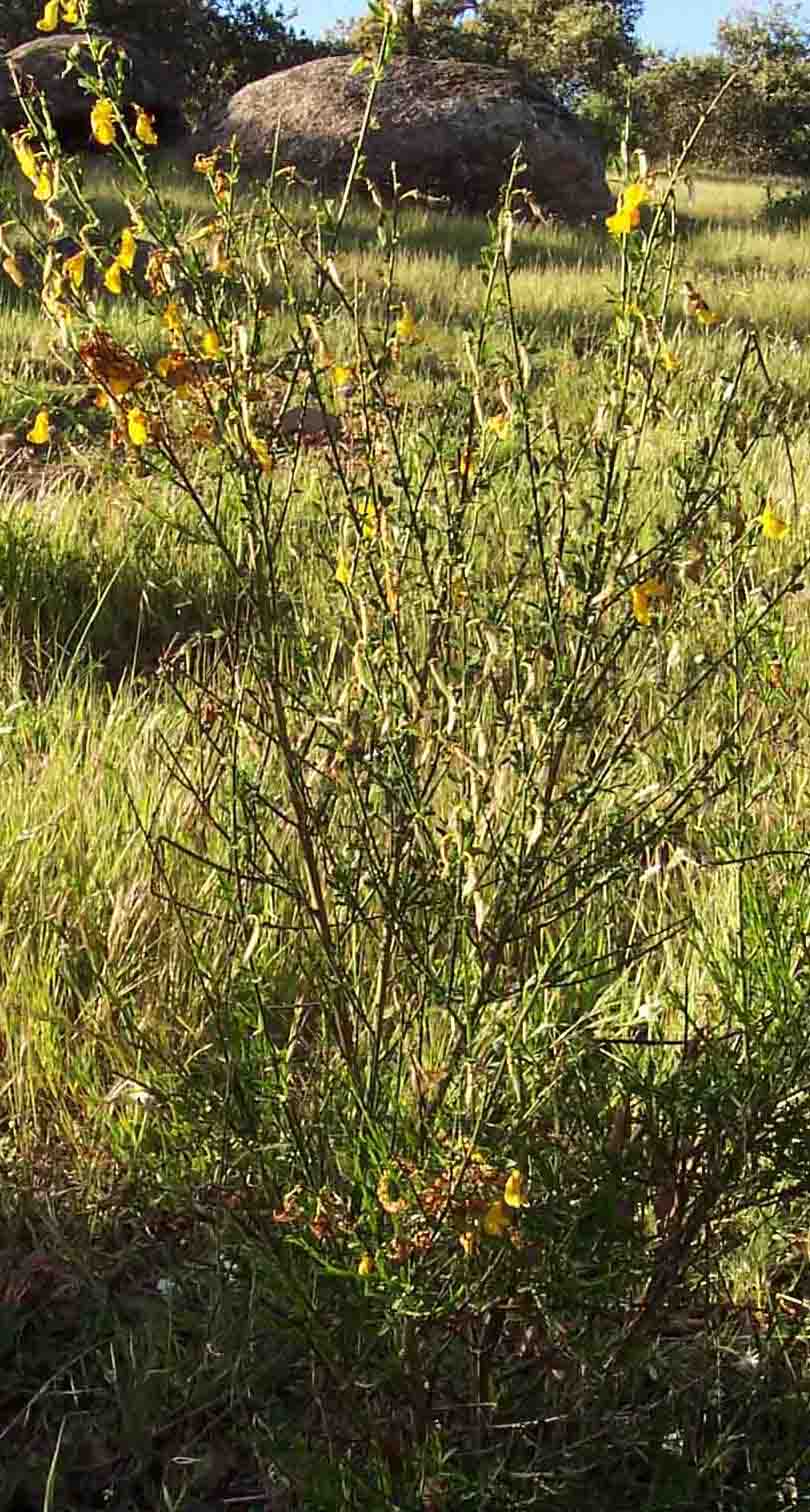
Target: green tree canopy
{"x":751,"y":38}
{"x":763,"y":123}
{"x":576,"y":46}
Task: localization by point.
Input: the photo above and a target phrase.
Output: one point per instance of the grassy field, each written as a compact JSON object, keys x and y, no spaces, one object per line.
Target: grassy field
{"x":403,"y":883}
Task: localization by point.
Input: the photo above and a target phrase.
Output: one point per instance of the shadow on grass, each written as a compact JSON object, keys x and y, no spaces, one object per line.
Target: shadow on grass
{"x":463,"y":239}
{"x":66,"y":605}
{"x":141,"y":1366}
{"x":125,"y":1315}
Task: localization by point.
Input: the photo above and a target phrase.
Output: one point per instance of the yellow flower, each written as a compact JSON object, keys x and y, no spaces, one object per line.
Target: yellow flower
{"x":112,"y":278}
{"x":137,"y":427}
{"x":367,"y":514}
{"x":669,"y":362}
{"x":627,"y":217}
{"x":70,"y":13}
{"x":634,"y":195}
{"x":496,"y":1220}
{"x":40,"y":432}
{"x":210,"y":343}
{"x":343,"y":573}
{"x":74,"y":268}
{"x":344,"y":379}
{"x":14,"y":271}
{"x":50,"y":17}
{"x":499,"y":425}
{"x":365,"y":1265}
{"x":642,"y":595}
{"x":469,"y":1241}
{"x":128,"y":250}
{"x":43,"y":188}
{"x":204,"y":164}
{"x":145,"y":127}
{"x":406,"y":328}
{"x":172,"y":318}
{"x":102,"y":122}
{"x":514,"y":1193}
{"x":25,"y":154}
{"x":624,"y":221}
{"x":774,"y":526}
{"x":640,"y":604}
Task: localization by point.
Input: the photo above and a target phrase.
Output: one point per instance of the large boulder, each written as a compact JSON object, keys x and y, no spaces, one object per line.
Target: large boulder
{"x":450,"y":127}
{"x":41,"y":64}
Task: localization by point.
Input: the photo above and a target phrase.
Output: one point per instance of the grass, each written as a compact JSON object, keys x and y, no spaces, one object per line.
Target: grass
{"x":362,"y":846}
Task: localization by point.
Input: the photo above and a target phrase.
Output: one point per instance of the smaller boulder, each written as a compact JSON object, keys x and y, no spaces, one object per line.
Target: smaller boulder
{"x":41,"y":65}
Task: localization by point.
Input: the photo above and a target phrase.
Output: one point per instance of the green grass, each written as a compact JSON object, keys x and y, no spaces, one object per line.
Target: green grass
{"x":326,"y":904}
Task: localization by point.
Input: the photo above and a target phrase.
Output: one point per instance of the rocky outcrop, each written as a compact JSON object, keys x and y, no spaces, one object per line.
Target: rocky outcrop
{"x":450,"y":127}
{"x":41,"y":64}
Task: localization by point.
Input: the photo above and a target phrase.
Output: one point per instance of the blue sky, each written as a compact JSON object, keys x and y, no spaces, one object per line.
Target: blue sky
{"x":677,"y":25}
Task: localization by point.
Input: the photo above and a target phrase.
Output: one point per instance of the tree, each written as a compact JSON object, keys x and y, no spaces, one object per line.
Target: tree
{"x":576,"y":46}
{"x":751,"y":39}
{"x":669,"y":96}
{"x":763,"y":124}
